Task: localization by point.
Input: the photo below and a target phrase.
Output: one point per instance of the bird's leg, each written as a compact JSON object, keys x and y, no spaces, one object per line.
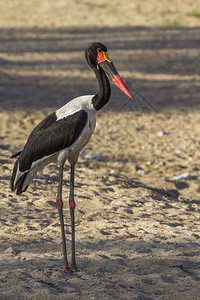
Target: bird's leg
{"x":72,"y":207}
{"x":60,"y":210}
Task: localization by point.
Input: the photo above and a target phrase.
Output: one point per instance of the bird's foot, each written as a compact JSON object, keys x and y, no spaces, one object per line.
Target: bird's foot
{"x":73,"y":268}
{"x":69,"y":269}
{"x":66,"y":268}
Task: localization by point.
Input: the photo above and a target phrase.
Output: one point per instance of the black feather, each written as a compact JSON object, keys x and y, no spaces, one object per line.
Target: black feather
{"x":51,"y":136}
{"x":16,"y":154}
{"x":19,"y":184}
{"x":13,"y":175}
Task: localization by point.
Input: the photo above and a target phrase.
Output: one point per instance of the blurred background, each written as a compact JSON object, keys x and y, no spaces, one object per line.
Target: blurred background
{"x":155,"y":46}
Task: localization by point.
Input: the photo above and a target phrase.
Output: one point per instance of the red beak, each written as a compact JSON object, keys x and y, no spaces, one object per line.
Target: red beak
{"x":121,"y":85}
{"x":106,"y":64}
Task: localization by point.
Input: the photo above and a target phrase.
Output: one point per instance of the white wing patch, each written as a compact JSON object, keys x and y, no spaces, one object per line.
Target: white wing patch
{"x":83,"y":102}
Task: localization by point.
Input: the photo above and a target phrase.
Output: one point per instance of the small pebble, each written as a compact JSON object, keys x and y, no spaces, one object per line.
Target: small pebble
{"x":160,"y":133}
{"x":185,"y":176}
{"x":141,"y":172}
{"x":177,"y":151}
{"x":181,"y":176}
{"x":92,"y":156}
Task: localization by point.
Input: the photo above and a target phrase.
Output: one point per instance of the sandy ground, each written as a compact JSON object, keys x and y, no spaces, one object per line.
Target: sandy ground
{"x":137,"y":224}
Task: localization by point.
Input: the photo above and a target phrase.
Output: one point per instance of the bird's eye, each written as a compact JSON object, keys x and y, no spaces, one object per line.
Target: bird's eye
{"x":99,"y":50}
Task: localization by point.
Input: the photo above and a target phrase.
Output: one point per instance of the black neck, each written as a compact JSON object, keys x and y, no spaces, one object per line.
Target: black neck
{"x":103,"y":95}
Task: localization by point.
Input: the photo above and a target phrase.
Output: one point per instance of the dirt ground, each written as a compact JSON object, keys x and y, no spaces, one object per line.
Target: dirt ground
{"x":137,"y":200}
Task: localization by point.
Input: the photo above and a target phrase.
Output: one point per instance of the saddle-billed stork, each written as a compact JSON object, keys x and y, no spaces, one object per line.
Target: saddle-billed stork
{"x":63,"y":134}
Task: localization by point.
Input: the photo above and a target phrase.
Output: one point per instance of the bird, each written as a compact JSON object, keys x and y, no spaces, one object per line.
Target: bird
{"x":63,"y":134}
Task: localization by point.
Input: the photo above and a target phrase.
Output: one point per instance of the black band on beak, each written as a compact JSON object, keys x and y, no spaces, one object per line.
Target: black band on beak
{"x":113,"y":75}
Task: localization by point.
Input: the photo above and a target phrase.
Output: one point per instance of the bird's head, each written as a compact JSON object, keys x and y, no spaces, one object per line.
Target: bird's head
{"x":97,"y":58}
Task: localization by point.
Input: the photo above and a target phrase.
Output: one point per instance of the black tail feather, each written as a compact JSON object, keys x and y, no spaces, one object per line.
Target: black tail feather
{"x":19,"y":184}
{"x":13,"y":176}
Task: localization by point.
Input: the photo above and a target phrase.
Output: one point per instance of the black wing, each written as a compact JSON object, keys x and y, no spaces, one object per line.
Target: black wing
{"x":51,"y":136}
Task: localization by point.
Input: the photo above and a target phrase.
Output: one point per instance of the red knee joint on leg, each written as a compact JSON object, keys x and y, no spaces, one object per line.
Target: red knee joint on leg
{"x":72,"y":203}
{"x":59,"y":202}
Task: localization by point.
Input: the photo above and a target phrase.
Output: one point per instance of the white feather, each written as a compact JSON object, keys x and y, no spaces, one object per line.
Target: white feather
{"x":83,"y":102}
